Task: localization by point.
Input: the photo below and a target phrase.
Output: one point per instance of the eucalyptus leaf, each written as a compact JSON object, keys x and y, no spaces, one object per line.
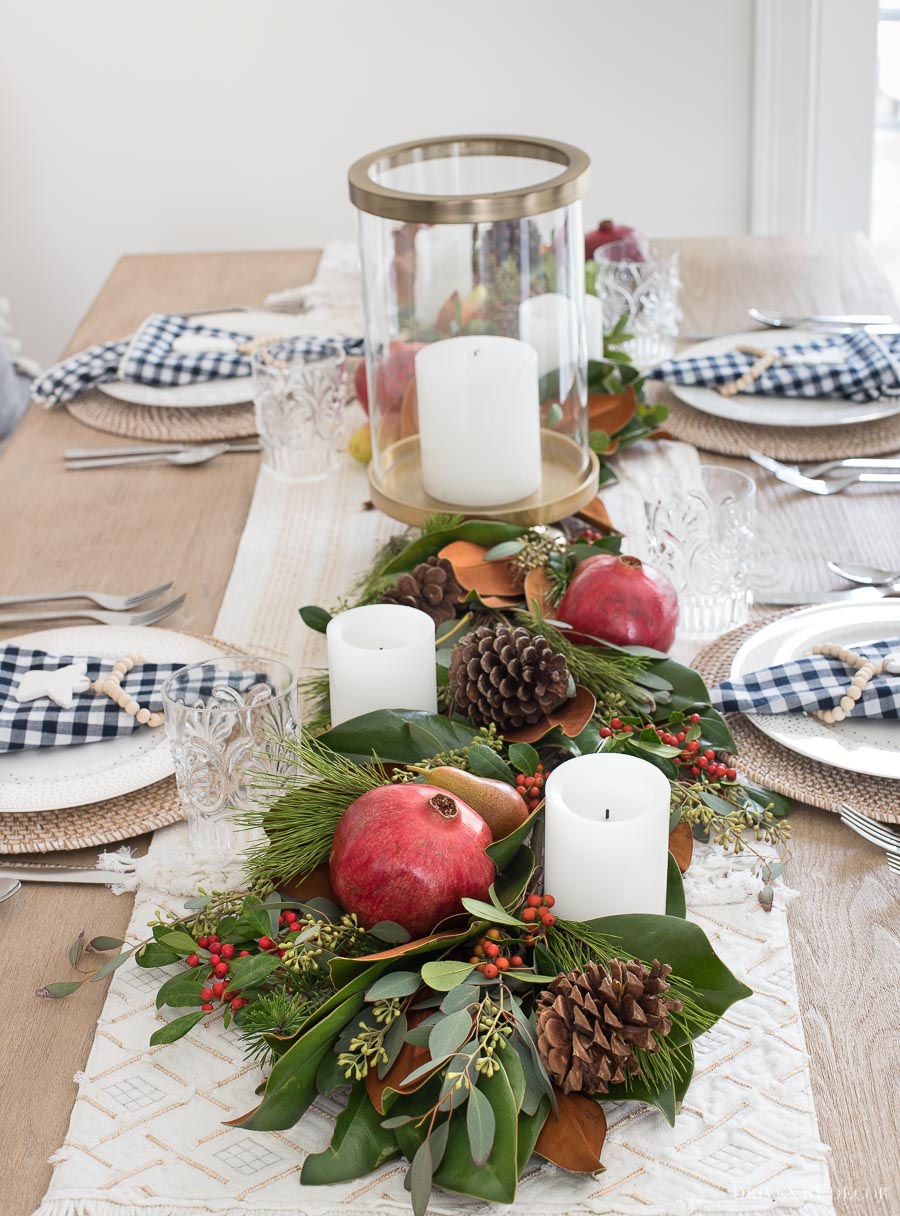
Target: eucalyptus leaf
{"x":505,"y":549}
{"x":393,"y":1044}
{"x":112,"y":965}
{"x":489,"y":912}
{"x":450,"y":1033}
{"x":99,"y":945}
{"x":420,"y":1175}
{"x":395,"y":984}
{"x":77,"y":949}
{"x":444,"y":974}
{"x":481,"y":1126}
{"x":56,"y":992}
{"x":389,"y":931}
{"x":460,"y":997}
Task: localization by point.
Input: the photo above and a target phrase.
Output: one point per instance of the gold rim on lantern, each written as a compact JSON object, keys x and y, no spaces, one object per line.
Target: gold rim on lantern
{"x":566,"y":187}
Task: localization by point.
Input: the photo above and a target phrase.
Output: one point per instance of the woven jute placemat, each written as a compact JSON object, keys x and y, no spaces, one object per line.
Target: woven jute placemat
{"x":781,"y":442}
{"x":763,"y":760}
{"x":83,"y":827}
{"x":162,"y":424}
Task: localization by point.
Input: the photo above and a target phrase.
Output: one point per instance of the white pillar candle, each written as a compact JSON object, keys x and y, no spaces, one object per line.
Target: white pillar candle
{"x":443,"y":265}
{"x":479,"y":420}
{"x":547,"y":323}
{"x":380,"y":656}
{"x":606,"y":839}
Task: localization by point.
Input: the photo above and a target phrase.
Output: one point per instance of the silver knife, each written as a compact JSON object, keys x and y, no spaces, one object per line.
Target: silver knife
{"x":148,"y":449}
{"x":858,"y":595}
{"x":23,"y":872}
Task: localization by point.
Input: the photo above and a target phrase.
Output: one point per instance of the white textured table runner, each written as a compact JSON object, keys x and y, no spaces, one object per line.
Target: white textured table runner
{"x":146,"y":1136}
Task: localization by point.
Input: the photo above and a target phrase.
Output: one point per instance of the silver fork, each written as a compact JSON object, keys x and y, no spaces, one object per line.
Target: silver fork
{"x":115,"y":603}
{"x":793,"y":477}
{"x":893,"y":863}
{"x":150,"y":617}
{"x":870,"y":829}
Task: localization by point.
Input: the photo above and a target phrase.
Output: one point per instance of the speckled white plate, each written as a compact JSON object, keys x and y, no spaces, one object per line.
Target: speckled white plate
{"x":776,"y":411}
{"x":861,"y":745}
{"x":52,"y":778}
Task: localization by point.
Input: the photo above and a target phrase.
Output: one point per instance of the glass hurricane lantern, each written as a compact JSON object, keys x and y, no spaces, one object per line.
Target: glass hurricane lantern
{"x":476,"y":346}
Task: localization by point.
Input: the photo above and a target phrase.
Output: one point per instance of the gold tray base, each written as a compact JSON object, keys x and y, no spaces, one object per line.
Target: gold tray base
{"x":565,"y":487}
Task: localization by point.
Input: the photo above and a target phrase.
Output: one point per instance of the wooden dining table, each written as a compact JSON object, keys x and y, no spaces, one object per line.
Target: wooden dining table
{"x":124,"y":530}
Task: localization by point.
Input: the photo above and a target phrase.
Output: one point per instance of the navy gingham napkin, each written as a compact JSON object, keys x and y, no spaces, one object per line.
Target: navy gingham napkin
{"x":858,"y":366}
{"x":811,"y":683}
{"x":148,"y":357}
{"x":92,"y":716}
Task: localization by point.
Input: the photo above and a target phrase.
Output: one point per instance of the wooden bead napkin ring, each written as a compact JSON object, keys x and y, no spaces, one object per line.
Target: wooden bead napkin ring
{"x":111,"y":686}
{"x":866,"y":670}
{"x":764,"y":360}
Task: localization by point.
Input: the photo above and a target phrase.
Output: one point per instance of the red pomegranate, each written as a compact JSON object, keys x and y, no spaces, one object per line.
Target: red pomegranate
{"x":409,"y":853}
{"x":631,"y":244}
{"x":392,"y":376}
{"x":620,"y":600}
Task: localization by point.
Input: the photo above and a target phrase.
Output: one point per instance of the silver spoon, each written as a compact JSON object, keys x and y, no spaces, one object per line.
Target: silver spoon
{"x":775,"y":320}
{"x":198,"y":455}
{"x":8,"y":887}
{"x":866,"y":576}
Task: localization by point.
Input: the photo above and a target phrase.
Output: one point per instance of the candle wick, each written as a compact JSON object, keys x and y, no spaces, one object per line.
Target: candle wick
{"x":607,"y":812}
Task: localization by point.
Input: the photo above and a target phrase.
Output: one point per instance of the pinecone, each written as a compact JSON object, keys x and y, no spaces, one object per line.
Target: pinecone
{"x":506,"y":676}
{"x":591,"y":1023}
{"x":430,"y":586}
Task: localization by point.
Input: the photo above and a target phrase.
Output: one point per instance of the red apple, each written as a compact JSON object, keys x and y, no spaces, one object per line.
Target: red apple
{"x":631,"y":245}
{"x":410,"y":854}
{"x":620,"y":600}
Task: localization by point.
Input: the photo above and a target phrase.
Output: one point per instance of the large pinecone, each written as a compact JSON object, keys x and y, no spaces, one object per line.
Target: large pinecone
{"x":590,"y":1023}
{"x":430,"y":586}
{"x":506,"y":676}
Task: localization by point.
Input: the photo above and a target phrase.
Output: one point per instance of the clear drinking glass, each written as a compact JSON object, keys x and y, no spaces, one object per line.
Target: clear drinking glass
{"x":223,"y":717}
{"x":299,"y":405}
{"x":702,"y":540}
{"x":646,"y":293}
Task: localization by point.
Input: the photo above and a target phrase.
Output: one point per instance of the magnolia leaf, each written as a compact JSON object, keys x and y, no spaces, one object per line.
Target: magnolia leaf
{"x":397,"y":736}
{"x":481,"y":1126}
{"x":502,"y":851}
{"x":571,"y":717}
{"x":481,"y":532}
{"x":573,"y":1137}
{"x":176,"y":1029}
{"x":474,"y":573}
{"x":358,"y":1146}
{"x":681,"y":845}
{"x":315,"y":617}
{"x":675,"y":901}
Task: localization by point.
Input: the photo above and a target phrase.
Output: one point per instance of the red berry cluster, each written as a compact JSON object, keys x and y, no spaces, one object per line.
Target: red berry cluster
{"x":216,"y":987}
{"x":694,"y":757}
{"x":495,"y":953}
{"x":590,"y":536}
{"x":532,"y":788}
{"x":615,"y":724}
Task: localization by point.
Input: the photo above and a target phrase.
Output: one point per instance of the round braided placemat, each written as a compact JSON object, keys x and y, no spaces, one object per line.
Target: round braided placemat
{"x":763,"y":760}
{"x":781,"y":442}
{"x":162,"y":424}
{"x":83,"y":827}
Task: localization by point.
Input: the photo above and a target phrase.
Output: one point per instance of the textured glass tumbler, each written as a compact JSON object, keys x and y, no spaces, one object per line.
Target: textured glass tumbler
{"x":645,"y":295}
{"x":223,"y":717}
{"x":702,"y":540}
{"x":299,"y":407}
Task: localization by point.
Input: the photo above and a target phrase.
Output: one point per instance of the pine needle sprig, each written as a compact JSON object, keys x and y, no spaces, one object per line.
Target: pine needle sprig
{"x":610,"y":674}
{"x":299,"y":811}
{"x":280,"y":1013}
{"x":314,"y":693}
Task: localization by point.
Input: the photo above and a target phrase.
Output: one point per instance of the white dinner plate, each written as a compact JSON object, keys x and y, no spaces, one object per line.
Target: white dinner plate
{"x":776,"y":411}
{"x":254,"y":322}
{"x":53,"y":778}
{"x":861,"y":745}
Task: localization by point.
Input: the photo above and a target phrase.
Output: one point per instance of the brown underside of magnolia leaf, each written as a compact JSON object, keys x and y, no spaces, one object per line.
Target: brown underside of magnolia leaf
{"x":571,"y":717}
{"x":473,"y":573}
{"x":537,"y":593}
{"x":316,"y":885}
{"x":574,"y":1138}
{"x":410,"y":1058}
{"x":596,"y":514}
{"x":611,"y":411}
{"x":681,"y":845}
{"x":404,"y":948}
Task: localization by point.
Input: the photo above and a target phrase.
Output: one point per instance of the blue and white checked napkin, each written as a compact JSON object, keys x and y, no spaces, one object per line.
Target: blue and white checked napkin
{"x":150,"y":357}
{"x":92,"y":716}
{"x":858,"y":366}
{"x":815,"y":682}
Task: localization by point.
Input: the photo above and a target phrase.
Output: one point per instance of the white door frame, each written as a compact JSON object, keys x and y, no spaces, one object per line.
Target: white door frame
{"x":814,"y":82}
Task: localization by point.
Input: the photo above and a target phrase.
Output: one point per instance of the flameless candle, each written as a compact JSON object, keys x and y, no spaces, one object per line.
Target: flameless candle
{"x":380,"y":656}
{"x":479,"y":420}
{"x":545,"y":322}
{"x":443,"y":265}
{"x":606,"y":839}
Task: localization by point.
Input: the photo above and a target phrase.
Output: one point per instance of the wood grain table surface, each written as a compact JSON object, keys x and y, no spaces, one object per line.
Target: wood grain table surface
{"x":124,"y":530}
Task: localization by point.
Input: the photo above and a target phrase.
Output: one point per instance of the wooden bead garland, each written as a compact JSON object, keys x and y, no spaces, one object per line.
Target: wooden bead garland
{"x":110,"y":686}
{"x":866,"y":670}
{"x":764,"y":360}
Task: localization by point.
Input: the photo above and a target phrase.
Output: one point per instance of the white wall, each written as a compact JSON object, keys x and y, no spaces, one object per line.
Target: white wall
{"x":215,"y":124}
